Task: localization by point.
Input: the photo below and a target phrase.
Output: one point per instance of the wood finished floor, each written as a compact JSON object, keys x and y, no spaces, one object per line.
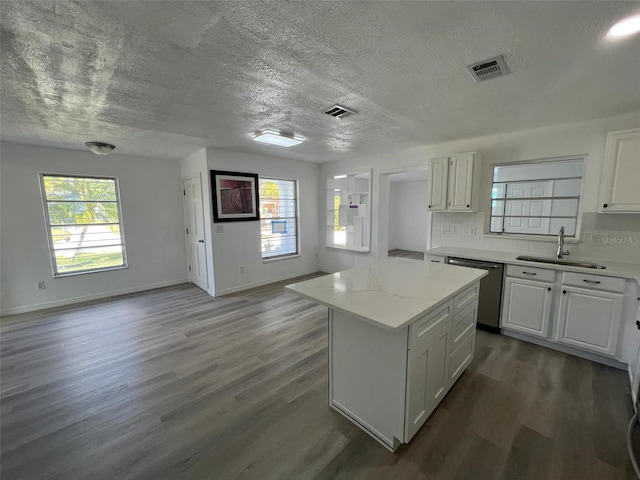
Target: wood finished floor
{"x":406,"y":254}
{"x":173,"y":384}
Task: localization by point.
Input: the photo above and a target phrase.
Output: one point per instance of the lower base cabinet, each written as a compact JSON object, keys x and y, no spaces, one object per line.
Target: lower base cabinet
{"x":527,"y":306}
{"x":427,"y":378}
{"x":590,"y":319}
{"x":389,"y":383}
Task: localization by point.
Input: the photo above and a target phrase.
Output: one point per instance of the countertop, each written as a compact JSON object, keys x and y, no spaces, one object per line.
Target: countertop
{"x":389,"y":294}
{"x":622,"y":270}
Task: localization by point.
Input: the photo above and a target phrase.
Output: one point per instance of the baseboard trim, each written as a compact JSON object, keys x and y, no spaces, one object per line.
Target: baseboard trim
{"x":249,"y":286}
{"x":87,"y":298}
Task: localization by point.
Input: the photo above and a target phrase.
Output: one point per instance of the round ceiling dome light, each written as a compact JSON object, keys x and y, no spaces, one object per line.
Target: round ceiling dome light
{"x":626,"y":27}
{"x":100,"y":148}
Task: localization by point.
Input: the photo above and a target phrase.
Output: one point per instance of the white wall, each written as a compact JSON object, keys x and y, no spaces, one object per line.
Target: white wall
{"x":238,"y":245}
{"x":153,"y":221}
{"x":554,"y":141}
{"x":407,"y":216}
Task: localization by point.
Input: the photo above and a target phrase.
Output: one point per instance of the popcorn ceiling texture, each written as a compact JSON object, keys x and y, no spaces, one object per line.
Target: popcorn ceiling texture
{"x":166,"y":78}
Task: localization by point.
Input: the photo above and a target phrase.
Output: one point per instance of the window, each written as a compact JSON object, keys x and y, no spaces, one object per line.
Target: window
{"x":278,"y":217}
{"x":536,"y":198}
{"x":84,"y":223}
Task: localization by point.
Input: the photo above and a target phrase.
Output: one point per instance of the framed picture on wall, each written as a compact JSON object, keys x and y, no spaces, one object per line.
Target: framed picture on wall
{"x":235,"y":196}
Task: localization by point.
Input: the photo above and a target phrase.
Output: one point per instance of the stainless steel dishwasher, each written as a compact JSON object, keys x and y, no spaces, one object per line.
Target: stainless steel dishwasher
{"x":490,"y":291}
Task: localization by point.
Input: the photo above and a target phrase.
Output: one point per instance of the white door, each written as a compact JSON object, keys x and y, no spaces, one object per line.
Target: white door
{"x":527,"y":306}
{"x":427,"y":378}
{"x":524,"y":213}
{"x":194,"y":215}
{"x":460,"y":182}
{"x":590,"y":319}
{"x":438,"y":169}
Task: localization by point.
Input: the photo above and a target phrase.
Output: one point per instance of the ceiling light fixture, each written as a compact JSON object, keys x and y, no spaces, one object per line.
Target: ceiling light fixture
{"x":100,"y":148}
{"x":626,"y":27}
{"x":273,"y":137}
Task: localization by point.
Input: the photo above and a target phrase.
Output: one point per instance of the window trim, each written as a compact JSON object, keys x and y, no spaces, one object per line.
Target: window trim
{"x":297,"y":220}
{"x":525,"y":236}
{"x":47,"y":221}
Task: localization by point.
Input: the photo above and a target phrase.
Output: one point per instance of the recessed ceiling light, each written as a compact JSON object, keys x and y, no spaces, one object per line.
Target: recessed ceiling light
{"x":623,"y":28}
{"x":273,"y":137}
{"x":100,"y":148}
{"x":340,"y":176}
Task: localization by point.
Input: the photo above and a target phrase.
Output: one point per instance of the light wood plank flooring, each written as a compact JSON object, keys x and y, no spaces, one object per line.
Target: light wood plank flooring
{"x":173,"y":384}
{"x":406,"y":254}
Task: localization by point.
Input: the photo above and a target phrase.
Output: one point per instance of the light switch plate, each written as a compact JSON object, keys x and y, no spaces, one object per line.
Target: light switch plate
{"x":448,"y":229}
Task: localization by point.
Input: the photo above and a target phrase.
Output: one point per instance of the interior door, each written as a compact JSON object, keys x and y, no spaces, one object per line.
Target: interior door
{"x":194,"y":215}
{"x":523,"y":212}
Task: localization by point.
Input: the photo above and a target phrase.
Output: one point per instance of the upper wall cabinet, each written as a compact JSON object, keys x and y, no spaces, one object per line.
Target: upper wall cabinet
{"x":619,"y":191}
{"x":454,"y":183}
{"x":348,"y":211}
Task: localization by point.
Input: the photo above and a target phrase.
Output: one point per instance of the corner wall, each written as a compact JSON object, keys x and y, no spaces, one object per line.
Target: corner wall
{"x":237,"y":244}
{"x":153,"y":221}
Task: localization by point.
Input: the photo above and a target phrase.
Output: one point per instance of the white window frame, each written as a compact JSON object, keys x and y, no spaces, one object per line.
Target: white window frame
{"x":297,"y":218}
{"x":52,"y":255}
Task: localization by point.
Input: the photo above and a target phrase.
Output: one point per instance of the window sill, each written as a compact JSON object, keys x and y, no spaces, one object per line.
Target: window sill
{"x":283,"y":257}
{"x":534,"y":238}
{"x":86,"y":272}
{"x":350,"y":249}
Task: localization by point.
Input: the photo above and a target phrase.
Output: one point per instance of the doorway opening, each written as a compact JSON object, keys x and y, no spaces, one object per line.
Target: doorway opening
{"x":404,"y":230}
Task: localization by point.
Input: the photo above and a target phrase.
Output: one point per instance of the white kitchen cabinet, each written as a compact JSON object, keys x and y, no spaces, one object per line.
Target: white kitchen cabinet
{"x":590,"y":319}
{"x":527,"y":306}
{"x":436,"y":259}
{"x":619,"y":191}
{"x":438,"y":184}
{"x":454,"y":183}
{"x":427,"y":378}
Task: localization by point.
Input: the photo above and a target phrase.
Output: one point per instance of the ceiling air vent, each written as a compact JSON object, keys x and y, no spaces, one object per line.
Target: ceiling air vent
{"x":339,"y":111}
{"x":487,"y":69}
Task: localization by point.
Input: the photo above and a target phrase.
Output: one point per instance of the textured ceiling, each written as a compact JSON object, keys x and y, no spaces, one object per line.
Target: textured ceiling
{"x":166,"y":78}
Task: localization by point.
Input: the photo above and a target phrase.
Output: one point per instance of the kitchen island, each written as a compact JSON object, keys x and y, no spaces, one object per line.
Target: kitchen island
{"x":401,"y":332}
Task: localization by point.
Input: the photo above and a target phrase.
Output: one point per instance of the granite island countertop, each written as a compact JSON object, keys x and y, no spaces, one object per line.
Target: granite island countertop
{"x":389,"y":294}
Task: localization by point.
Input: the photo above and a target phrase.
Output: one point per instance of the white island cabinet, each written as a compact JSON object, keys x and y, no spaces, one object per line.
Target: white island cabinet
{"x":401,"y":332}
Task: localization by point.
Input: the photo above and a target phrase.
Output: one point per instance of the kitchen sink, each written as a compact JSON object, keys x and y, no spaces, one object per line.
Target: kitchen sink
{"x":559,"y":261}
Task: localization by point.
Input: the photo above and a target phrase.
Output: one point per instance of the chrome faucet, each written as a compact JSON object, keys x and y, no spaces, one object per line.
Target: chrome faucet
{"x":561,"y":251}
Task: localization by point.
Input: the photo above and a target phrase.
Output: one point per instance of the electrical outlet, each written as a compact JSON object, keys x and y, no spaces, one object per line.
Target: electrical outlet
{"x":472,"y":230}
{"x":241,"y":269}
{"x":448,"y":229}
{"x":41,"y":285}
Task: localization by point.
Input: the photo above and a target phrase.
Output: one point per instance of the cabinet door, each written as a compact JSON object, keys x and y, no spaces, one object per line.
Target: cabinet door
{"x":590,"y":319}
{"x":527,"y":306}
{"x":438,"y":175}
{"x":427,"y":378}
{"x":460,"y":182}
{"x":620,"y":191}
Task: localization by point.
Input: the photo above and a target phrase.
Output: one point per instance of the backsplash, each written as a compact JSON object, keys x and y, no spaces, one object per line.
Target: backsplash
{"x":612,"y":237}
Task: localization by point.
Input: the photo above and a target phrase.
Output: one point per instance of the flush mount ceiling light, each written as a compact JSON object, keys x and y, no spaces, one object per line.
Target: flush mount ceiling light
{"x":273,"y":137}
{"x":100,"y":148}
{"x":625,"y":27}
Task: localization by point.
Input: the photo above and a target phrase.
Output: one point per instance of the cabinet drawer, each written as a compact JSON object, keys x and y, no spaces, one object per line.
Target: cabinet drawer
{"x":435,"y":259}
{"x":465,"y":298}
{"x":594,"y":281}
{"x":464,"y":324}
{"x":461,"y":358}
{"x":532,"y":273}
{"x":421,"y":328}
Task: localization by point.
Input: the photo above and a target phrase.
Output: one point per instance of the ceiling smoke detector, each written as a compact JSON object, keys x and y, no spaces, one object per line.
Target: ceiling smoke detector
{"x":338,"y":111}
{"x":488,"y":69}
